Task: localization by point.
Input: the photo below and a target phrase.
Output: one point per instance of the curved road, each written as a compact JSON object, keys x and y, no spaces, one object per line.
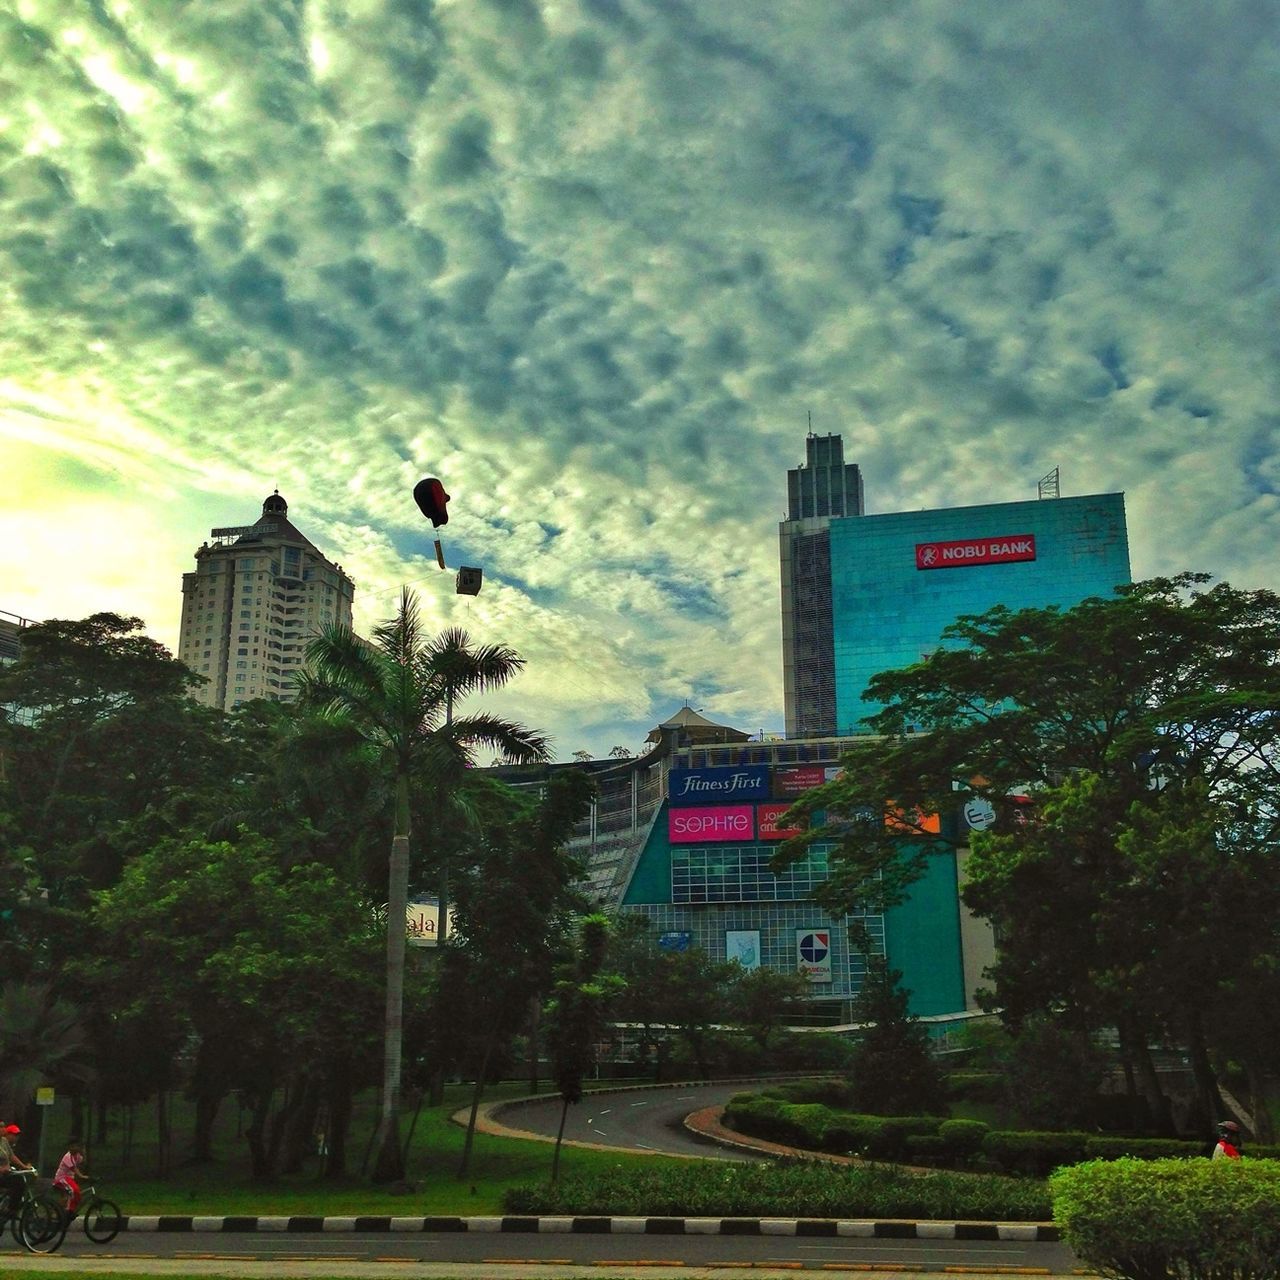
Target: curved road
{"x":632,"y":1119}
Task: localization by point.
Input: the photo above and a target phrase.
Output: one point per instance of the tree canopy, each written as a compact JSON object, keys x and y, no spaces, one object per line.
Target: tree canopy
{"x":1127,"y":750}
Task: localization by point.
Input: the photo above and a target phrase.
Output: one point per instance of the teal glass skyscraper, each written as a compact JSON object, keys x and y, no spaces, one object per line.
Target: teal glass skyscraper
{"x":863,"y":594}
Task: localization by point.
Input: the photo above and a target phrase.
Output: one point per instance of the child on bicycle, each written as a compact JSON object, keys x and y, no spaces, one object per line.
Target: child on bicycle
{"x":70,"y":1170}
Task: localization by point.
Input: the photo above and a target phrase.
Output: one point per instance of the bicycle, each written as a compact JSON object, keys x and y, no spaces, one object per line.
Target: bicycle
{"x":101,"y":1217}
{"x":39,"y":1223}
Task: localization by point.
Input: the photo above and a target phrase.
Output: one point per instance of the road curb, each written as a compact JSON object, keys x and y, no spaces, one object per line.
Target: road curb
{"x":891,"y":1229}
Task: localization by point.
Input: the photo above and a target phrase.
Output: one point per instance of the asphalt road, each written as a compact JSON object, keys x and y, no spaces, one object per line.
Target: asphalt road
{"x":634,"y":1120}
{"x":810,"y":1253}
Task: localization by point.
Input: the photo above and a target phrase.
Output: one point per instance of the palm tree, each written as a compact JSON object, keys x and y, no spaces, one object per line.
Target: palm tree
{"x":399,"y":694}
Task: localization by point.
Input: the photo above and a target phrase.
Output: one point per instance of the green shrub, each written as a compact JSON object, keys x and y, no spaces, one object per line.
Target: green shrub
{"x":976,"y":1086}
{"x":1029,"y":1152}
{"x":834,"y":1093}
{"x":1157,"y":1219}
{"x":789,"y":1191}
{"x":1112,"y":1148}
{"x":927,"y":1148}
{"x":811,"y":1126}
{"x":964,"y":1138}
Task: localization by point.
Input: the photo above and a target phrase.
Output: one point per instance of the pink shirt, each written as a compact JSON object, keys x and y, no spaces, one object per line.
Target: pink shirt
{"x":68,"y":1167}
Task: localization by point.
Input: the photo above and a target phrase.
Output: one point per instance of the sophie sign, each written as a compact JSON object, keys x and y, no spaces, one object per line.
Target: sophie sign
{"x":707,"y":825}
{"x":1003,"y":549}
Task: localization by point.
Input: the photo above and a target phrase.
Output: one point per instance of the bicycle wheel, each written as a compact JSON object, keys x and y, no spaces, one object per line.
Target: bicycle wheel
{"x":102,"y":1221}
{"x":42,"y":1225}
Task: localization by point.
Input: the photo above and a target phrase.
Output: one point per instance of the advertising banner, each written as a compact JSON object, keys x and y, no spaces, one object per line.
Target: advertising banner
{"x":707,"y":825}
{"x":675,"y":940}
{"x":719,"y":786}
{"x":422,"y":921}
{"x":743,"y":945}
{"x":1004,"y":549}
{"x":795,"y":780}
{"x":813,"y":954}
{"x":767,"y":828}
{"x":913,"y":822}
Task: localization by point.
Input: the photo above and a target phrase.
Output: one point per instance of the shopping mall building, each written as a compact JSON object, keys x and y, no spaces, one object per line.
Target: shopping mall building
{"x":684,"y":834}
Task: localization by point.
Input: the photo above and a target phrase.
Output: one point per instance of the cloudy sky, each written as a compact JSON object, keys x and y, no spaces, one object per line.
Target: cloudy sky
{"x":594,"y":262}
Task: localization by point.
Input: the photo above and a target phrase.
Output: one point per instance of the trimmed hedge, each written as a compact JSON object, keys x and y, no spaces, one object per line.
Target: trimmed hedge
{"x":1108,"y":1147}
{"x":1159,"y":1219}
{"x":976,"y":1086}
{"x":726,"y":1190}
{"x":812,"y":1126}
{"x":1031,"y":1153}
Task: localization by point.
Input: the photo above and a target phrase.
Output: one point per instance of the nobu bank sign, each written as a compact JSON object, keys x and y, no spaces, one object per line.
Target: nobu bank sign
{"x":959,"y":555}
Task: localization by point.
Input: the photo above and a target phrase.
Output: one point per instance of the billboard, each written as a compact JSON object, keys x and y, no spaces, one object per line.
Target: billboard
{"x":675,"y":940}
{"x":719,"y":786}
{"x":709,"y":824}
{"x":422,"y":921}
{"x":1002,"y":549}
{"x":767,"y":828}
{"x":743,"y":945}
{"x":913,"y":822}
{"x":797,"y":779}
{"x":813,"y":954}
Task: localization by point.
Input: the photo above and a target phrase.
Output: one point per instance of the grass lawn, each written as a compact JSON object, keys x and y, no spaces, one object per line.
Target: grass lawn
{"x":225,"y":1186}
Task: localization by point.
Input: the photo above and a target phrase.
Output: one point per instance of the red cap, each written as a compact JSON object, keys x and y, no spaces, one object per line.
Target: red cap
{"x":12,"y":1128}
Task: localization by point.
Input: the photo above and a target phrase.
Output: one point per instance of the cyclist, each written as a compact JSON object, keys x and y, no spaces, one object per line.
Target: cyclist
{"x":70,"y":1170}
{"x":11,"y":1180}
{"x":1228,"y":1147}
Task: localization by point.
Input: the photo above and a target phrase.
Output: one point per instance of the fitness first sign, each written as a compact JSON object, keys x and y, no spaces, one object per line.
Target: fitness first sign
{"x":719,"y":786}
{"x":1004,"y":549}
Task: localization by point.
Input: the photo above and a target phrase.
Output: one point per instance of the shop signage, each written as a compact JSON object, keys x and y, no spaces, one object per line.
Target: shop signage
{"x":979,"y":813}
{"x":422,"y":918}
{"x":813,"y":954}
{"x":719,"y":786}
{"x":675,"y":940}
{"x":913,"y":822}
{"x":743,"y":945}
{"x":1003,"y":549}
{"x":709,"y":825}
{"x":796,"y":781}
{"x":767,"y":828}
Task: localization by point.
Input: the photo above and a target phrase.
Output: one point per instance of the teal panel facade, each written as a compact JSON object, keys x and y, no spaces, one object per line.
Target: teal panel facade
{"x":889,"y":613}
{"x":709,"y":891}
{"x":922,"y":939}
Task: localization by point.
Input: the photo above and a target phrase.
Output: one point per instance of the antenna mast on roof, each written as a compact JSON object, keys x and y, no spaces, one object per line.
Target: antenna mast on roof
{"x":1048,"y":487}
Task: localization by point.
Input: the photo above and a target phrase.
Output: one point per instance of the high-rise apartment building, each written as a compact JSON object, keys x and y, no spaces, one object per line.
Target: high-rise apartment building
{"x":823,"y":489}
{"x":258,"y":594}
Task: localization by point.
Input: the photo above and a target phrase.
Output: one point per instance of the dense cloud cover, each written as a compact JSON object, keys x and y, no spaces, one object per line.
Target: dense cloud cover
{"x":593,"y":262}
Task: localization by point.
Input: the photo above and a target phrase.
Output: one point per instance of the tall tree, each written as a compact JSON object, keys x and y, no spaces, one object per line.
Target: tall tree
{"x":399,"y":694}
{"x":577,"y":1017}
{"x":110,"y":733}
{"x":270,"y":971}
{"x":762,"y":1000}
{"x":515,"y":911}
{"x":891,"y":1071}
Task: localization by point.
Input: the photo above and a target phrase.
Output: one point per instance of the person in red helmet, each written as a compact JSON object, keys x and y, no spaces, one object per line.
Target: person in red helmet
{"x":1228,"y":1147}
{"x":11,"y":1181}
